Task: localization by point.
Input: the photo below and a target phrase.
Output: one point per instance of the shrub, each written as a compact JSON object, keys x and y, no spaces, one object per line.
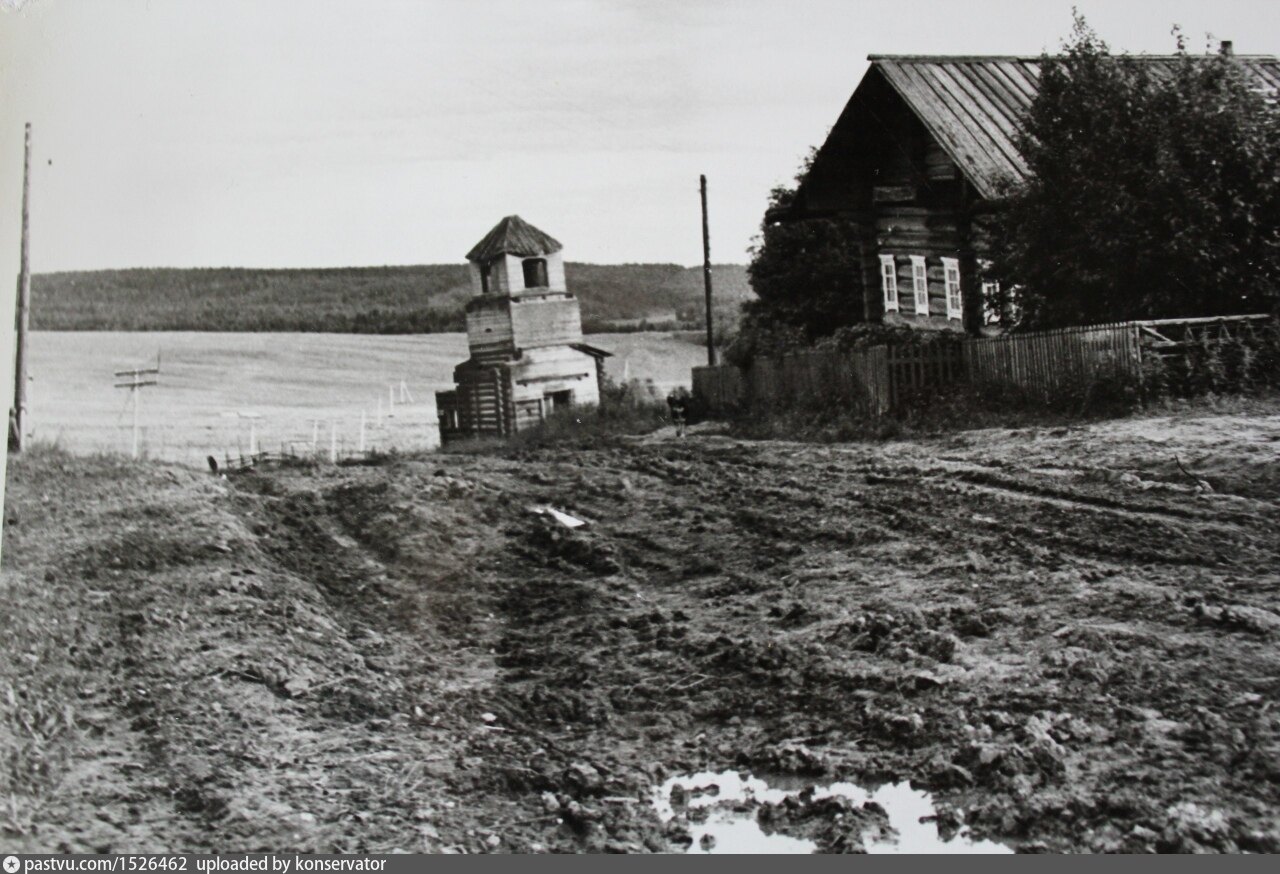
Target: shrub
{"x":623,"y":411}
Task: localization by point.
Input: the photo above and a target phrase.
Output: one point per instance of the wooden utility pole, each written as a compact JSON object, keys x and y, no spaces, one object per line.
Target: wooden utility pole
{"x":135,"y":383}
{"x":706,"y":270}
{"x":24,"y":306}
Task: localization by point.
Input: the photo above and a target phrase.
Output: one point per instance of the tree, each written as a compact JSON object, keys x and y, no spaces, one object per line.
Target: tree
{"x":1154,"y":192}
{"x":807,"y":278}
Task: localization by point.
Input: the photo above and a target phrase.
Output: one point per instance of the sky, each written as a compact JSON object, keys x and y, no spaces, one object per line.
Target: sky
{"x":291,"y":133}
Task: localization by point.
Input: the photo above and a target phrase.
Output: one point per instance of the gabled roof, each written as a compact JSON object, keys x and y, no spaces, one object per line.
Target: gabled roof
{"x":973,"y":105}
{"x":513,"y":236}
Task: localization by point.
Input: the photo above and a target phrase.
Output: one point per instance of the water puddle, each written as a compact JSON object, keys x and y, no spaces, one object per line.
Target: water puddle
{"x":724,"y":810}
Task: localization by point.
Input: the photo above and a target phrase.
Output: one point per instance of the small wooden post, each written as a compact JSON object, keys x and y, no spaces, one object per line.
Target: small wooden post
{"x":333,"y":442}
{"x":706,"y":271}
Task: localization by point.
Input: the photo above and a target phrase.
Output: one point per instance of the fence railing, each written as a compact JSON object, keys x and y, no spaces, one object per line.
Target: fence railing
{"x":228,"y":462}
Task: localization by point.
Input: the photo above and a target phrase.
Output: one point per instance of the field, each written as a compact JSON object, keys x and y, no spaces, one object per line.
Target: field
{"x":288,"y":388}
{"x":1065,"y":639}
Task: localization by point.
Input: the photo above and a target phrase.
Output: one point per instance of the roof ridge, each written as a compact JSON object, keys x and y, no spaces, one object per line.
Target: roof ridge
{"x":975,"y":58}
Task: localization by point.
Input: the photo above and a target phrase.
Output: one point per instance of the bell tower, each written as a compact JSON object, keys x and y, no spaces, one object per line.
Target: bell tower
{"x":524,"y":335}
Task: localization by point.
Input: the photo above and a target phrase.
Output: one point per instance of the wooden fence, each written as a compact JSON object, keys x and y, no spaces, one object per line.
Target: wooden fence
{"x":883,"y":378}
{"x":292,"y":455}
{"x":1046,"y":363}
{"x":874,"y":380}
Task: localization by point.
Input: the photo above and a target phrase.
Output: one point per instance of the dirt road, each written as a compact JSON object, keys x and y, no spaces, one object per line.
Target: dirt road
{"x":1068,"y":637}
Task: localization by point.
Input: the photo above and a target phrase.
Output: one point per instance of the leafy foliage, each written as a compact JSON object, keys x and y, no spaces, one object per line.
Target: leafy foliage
{"x":365,"y":300}
{"x":807,"y":278}
{"x":1154,"y":192}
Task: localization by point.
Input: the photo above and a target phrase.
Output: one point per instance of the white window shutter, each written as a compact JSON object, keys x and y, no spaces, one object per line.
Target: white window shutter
{"x":955,"y":303}
{"x":920,"y":284}
{"x":888,"y":283}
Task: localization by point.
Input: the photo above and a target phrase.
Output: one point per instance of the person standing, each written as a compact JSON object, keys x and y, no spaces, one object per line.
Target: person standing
{"x":678,"y":404}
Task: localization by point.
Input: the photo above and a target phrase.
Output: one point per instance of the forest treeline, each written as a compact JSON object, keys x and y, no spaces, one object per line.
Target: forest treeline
{"x":363,"y":300}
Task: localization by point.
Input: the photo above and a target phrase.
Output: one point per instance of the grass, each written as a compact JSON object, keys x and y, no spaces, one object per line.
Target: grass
{"x":46,"y":649}
{"x":590,"y":427}
{"x":964,"y":408}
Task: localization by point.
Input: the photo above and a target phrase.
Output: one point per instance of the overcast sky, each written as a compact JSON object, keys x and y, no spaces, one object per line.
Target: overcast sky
{"x":323,"y":133}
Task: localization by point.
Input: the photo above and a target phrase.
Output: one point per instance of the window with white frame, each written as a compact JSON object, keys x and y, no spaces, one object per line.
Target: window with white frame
{"x":920,"y":284}
{"x":889,"y":283}
{"x":951,"y":273}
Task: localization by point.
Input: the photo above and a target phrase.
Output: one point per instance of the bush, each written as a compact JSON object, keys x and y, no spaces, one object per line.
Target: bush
{"x":623,"y":411}
{"x":807,"y":276}
{"x":863,"y":335}
{"x":1247,"y":359}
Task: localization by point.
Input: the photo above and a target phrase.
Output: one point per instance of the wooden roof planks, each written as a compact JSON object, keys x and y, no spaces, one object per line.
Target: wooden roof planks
{"x":973,"y":106}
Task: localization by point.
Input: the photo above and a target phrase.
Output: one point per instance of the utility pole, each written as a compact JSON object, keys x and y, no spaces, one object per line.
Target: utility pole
{"x":135,"y":383}
{"x":706,"y":271}
{"x":24,"y":305}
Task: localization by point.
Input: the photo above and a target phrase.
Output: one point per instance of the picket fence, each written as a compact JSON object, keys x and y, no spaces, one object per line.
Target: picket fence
{"x":879,"y":379}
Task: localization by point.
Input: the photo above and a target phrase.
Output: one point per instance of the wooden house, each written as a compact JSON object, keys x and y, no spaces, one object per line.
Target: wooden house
{"x":524,"y":334}
{"x":916,"y":160}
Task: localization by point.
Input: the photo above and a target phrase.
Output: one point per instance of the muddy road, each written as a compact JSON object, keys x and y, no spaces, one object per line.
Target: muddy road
{"x":1068,"y":637}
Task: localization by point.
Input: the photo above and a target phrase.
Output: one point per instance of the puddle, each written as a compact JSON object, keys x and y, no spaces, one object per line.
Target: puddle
{"x":730,"y":830}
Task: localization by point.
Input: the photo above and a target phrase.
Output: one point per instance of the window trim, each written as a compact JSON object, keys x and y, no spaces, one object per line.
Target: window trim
{"x":950,"y":268}
{"x":889,"y":283}
{"x":920,"y":284}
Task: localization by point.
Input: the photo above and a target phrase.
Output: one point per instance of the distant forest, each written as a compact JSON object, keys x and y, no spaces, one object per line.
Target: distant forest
{"x":362,"y":300}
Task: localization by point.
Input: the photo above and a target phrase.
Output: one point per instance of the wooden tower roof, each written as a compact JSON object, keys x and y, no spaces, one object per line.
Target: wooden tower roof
{"x":513,"y":236}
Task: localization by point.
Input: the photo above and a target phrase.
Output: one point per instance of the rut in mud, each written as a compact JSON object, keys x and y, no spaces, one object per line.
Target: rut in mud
{"x":1064,"y":638}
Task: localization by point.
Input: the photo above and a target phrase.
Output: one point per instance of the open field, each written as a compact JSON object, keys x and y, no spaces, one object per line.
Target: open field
{"x":1065,"y":638}
{"x":290,"y":382}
